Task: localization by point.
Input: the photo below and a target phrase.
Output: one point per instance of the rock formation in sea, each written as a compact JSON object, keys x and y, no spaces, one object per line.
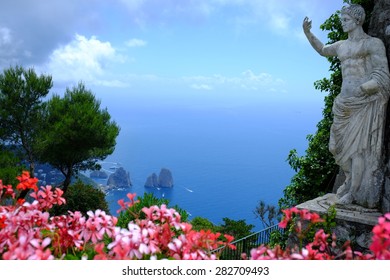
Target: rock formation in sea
{"x":120,"y":178}
{"x":152,"y":181}
{"x":164,"y":180}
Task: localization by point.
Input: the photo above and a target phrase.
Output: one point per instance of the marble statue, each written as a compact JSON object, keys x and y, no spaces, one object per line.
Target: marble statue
{"x":357,"y":132}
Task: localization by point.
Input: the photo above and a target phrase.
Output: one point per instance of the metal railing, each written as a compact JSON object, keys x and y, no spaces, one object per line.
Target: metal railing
{"x":245,"y":244}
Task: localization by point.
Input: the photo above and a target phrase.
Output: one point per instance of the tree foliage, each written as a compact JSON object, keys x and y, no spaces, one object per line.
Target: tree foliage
{"x":76,"y":133}
{"x":83,"y":198}
{"x":268,"y":214}
{"x":21,"y":105}
{"x":316,"y":170}
{"x":10,"y":167}
{"x":236,"y":228}
{"x":199,"y":223}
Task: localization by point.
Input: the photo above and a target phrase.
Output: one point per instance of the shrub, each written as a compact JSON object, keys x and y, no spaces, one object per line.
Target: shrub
{"x":128,"y":214}
{"x":83,"y":198}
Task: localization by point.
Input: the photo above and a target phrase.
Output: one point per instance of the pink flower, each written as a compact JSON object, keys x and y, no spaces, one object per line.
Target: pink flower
{"x":101,"y":255}
{"x":380,"y":245}
{"x":288,"y":215}
{"x":320,"y":240}
{"x":124,"y":205}
{"x":7,"y":190}
{"x":57,"y":197}
{"x":41,"y":252}
{"x":20,"y":249}
{"x":93,"y":226}
{"x":47,"y":198}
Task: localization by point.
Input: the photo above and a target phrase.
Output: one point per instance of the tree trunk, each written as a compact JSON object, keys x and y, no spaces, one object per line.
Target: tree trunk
{"x":68,"y":173}
{"x":67,"y":181}
{"x":32,"y":166}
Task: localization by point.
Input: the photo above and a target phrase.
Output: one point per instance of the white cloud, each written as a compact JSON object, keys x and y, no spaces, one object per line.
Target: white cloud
{"x":280,"y":22}
{"x":84,"y":59}
{"x":132,"y":43}
{"x":201,"y":87}
{"x":5,"y":36}
{"x":247,"y":80}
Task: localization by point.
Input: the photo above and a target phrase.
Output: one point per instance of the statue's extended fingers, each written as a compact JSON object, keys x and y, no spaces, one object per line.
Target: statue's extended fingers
{"x":306,"y":24}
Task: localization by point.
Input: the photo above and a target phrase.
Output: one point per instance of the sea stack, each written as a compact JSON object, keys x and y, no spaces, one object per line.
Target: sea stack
{"x":120,"y":178}
{"x":164,"y":180}
{"x":152,"y":181}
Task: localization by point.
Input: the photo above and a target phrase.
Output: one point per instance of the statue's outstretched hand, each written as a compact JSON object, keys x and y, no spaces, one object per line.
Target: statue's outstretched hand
{"x":306,"y":25}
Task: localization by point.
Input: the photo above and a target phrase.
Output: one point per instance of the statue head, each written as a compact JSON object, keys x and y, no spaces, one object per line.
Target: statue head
{"x":356,"y":12}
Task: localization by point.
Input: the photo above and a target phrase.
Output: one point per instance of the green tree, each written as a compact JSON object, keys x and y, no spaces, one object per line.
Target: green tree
{"x":199,"y":223}
{"x":10,"y":167}
{"x":82,"y":197}
{"x":77,"y":133}
{"x":317,"y":170}
{"x":236,"y":228}
{"x":21,"y":107}
{"x":268,"y":214}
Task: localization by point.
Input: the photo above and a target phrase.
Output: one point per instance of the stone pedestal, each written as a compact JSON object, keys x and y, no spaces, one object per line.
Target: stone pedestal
{"x":354,"y":222}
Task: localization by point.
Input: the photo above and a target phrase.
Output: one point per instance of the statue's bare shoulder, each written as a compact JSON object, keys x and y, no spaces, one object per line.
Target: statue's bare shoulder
{"x":332,"y":49}
{"x":375,"y":44}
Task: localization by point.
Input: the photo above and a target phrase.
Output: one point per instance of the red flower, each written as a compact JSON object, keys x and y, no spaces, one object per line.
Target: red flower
{"x":2,"y":222}
{"x":380,"y":245}
{"x":288,"y":215}
{"x":26,"y":182}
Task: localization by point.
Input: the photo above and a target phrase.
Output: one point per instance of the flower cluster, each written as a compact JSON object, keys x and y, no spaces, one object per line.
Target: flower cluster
{"x":161,"y":235}
{"x":302,"y":214}
{"x":380,"y":245}
{"x":323,"y":246}
{"x":28,"y":232}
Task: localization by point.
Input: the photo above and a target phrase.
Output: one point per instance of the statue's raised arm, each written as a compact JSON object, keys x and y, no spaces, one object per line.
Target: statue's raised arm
{"x":324,"y":50}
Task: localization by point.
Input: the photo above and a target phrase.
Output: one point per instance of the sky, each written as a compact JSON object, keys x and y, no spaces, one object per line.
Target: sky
{"x":168,"y":47}
{"x":198,"y":66}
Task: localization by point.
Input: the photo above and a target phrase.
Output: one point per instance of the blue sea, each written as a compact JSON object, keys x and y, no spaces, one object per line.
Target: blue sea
{"x":225,"y":155}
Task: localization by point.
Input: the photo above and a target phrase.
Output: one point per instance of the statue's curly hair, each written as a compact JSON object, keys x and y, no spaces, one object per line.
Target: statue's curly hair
{"x":356,"y":12}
